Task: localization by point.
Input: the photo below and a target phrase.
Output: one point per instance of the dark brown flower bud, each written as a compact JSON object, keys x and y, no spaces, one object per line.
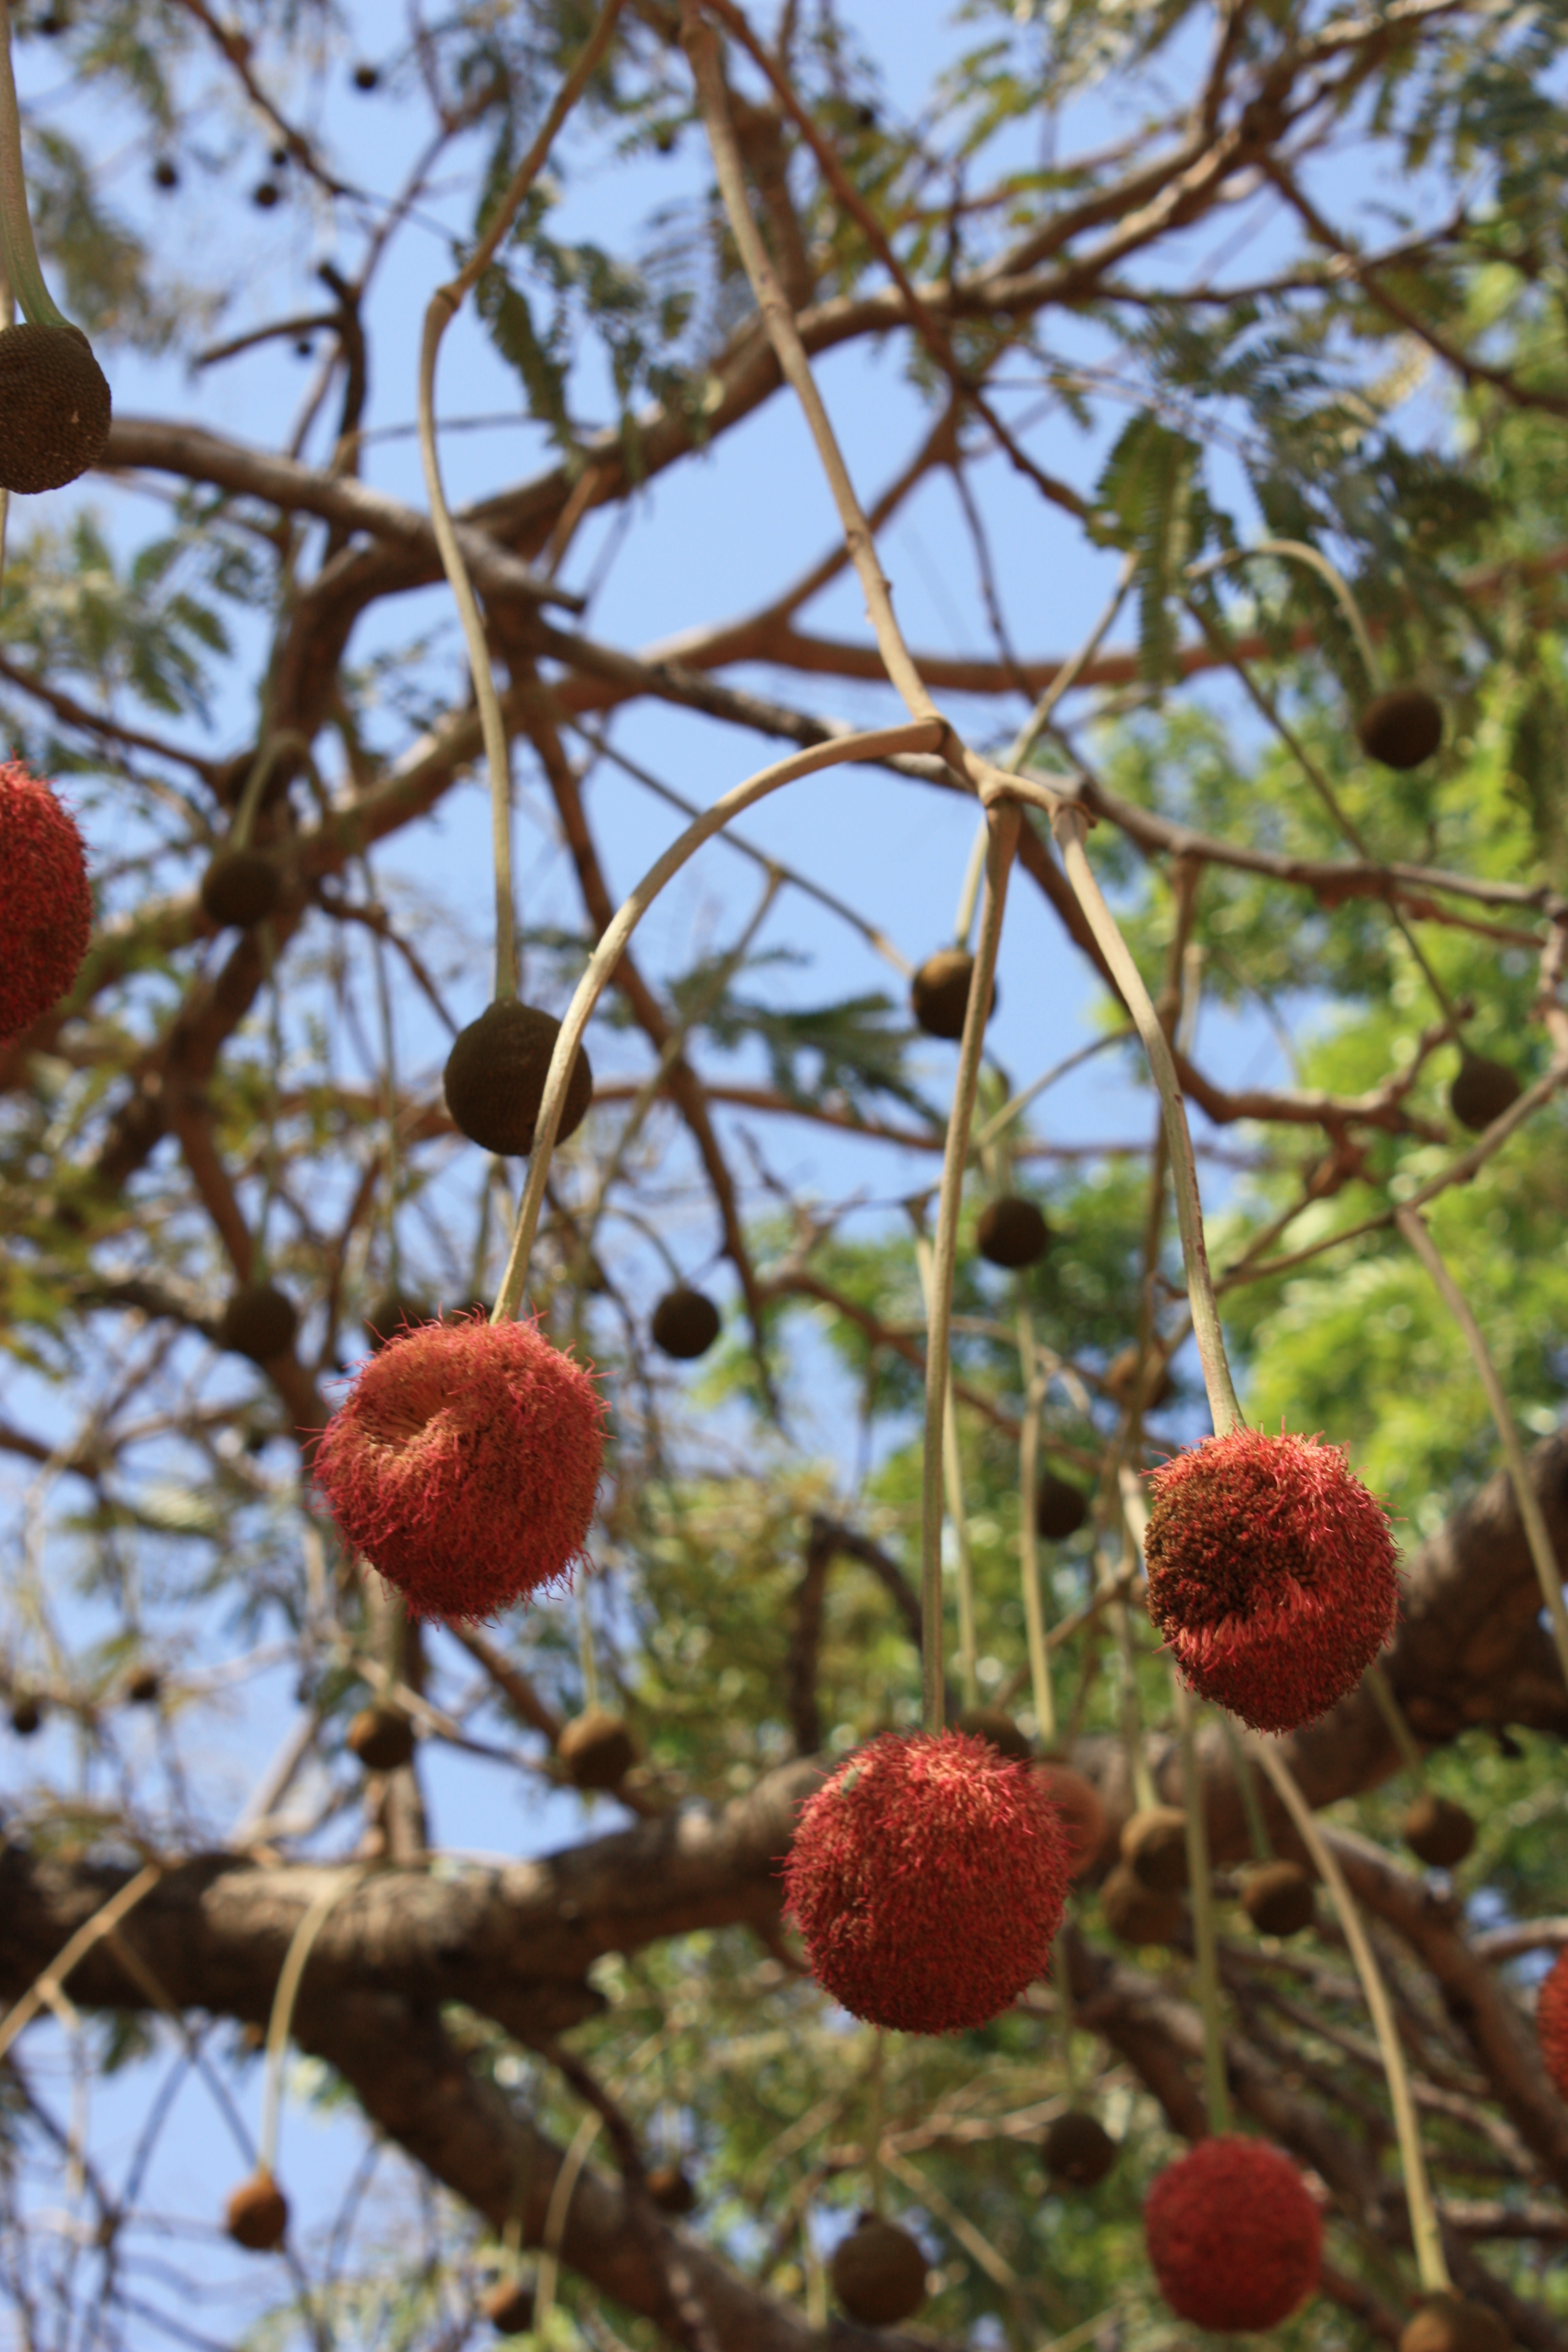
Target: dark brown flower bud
{"x":495,"y":1075}
{"x":259,"y":1321}
{"x":382,"y":1737}
{"x":1154,"y":1848}
{"x":1278,"y":1898}
{"x":241,"y":887}
{"x":685,"y":1324}
{"x":1401,"y":727}
{"x":939,"y":993}
{"x":1011,"y":1233}
{"x":879,"y":2274}
{"x":55,"y":407}
{"x":1437,"y":1832}
{"x":597,"y":1750}
{"x":257,"y":2216}
{"x":1078,"y":2152}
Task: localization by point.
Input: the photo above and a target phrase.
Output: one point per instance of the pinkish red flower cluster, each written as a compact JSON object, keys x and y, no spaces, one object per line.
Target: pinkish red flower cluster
{"x":1552,"y":2021}
{"x":1271,"y":1574}
{"x":927,"y":1877}
{"x":1233,"y":2234}
{"x":464,"y":1464}
{"x":46,"y":906}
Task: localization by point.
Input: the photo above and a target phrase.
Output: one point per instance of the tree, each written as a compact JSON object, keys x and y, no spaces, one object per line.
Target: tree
{"x":1260,"y":309}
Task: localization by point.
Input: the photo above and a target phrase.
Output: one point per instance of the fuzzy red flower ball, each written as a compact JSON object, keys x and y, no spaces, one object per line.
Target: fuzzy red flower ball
{"x":464,"y":1464}
{"x":1271,"y":1574}
{"x":1233,"y":2236}
{"x":927,"y":1877}
{"x":46,"y":906}
{"x":1552,"y":2021}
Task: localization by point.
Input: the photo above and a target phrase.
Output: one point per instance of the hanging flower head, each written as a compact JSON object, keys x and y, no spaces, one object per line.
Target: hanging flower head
{"x":927,"y":1877}
{"x":464,"y":1464}
{"x":1233,"y":2234}
{"x":46,"y":906}
{"x":1271,"y":1574}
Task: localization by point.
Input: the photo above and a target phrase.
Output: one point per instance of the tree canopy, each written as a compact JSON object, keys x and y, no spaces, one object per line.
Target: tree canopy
{"x":1236,"y":333}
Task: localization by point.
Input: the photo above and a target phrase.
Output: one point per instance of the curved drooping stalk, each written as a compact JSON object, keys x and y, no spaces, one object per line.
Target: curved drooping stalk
{"x":444,"y":306}
{"x":1036,"y":1383}
{"x":878,"y":743}
{"x":1542,"y":1550}
{"x":1431,"y":2267}
{"x":1006,"y":822}
{"x":952,"y":1488}
{"x":1205,"y":1934}
{"x":290,"y":1978}
{"x":1069,"y":826}
{"x":1301,"y":551}
{"x":23,"y":273}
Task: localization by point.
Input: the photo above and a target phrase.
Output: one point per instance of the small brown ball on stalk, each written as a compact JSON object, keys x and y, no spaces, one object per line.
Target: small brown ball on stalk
{"x":1135,"y":1913}
{"x":166,"y":174}
{"x":508,"y":2306}
{"x":394,"y":1311}
{"x":879,"y":2274}
{"x":597,"y":1750}
{"x":1011,"y":1233}
{"x":366,"y":77}
{"x":495,"y":1074}
{"x":1077,"y":2150}
{"x":1083,"y":1817}
{"x":939,"y":993}
{"x":241,"y":887}
{"x":1278,"y":1898}
{"x":685,"y":1324}
{"x":1452,"y":2323}
{"x":1482,"y":1091}
{"x":671,"y":2190}
{"x":1437,"y":1832}
{"x":54,"y":408}
{"x":1060,"y":1507}
{"x":257,"y":2215}
{"x":27,"y":1714}
{"x":144,"y":1686}
{"x":1401,"y":727}
{"x":1154,"y":1848}
{"x":1121,"y":1378}
{"x":382,"y":1737}
{"x":259,"y":1321}
{"x":993,"y":1723}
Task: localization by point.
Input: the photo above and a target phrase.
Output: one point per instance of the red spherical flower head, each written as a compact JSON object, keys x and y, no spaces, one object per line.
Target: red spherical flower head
{"x":1552,"y":2021}
{"x":464,"y":1464}
{"x":46,"y":906}
{"x":1271,"y":1574}
{"x":1233,"y":2236}
{"x":927,"y":1877}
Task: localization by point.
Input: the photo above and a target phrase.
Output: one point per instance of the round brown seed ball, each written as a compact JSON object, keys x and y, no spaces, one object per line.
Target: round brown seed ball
{"x":257,"y":2216}
{"x":1011,"y":1233}
{"x":1482,"y":1091}
{"x":1122,"y":1376}
{"x":259,"y":1321}
{"x":27,"y":1714}
{"x":1135,"y":1915}
{"x":509,"y":2308}
{"x":685,"y":1324}
{"x":366,"y":77}
{"x":879,"y":2274}
{"x":54,"y":408}
{"x":671,"y":2190}
{"x":939,"y":993}
{"x":241,"y":887}
{"x":495,"y":1075}
{"x":265,"y":194}
{"x":1154,"y":1848}
{"x":992,"y":1724}
{"x":1078,"y":2152}
{"x":144,"y":1686}
{"x":165,"y":172}
{"x":1452,"y":2323}
{"x":1437,"y":1832}
{"x":1401,"y":727}
{"x":1278,"y":1898}
{"x":597,"y":1750}
{"x":382,"y":1737}
{"x":1060,"y":1507}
